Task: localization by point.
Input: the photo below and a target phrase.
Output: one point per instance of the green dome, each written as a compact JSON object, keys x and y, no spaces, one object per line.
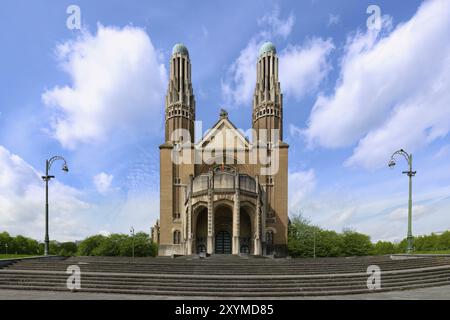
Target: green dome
{"x":180,"y":48}
{"x":267,"y":47}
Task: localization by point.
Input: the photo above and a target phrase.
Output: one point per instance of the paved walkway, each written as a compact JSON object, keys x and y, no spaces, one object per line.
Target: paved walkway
{"x":436,"y":293}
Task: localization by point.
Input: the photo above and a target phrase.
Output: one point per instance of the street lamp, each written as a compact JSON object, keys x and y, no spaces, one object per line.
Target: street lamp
{"x":6,"y":248}
{"x":132,"y":240}
{"x":410,"y":173}
{"x":47,"y":178}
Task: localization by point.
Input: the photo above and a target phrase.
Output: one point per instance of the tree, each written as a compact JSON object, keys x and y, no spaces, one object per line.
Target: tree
{"x":356,"y":244}
{"x":67,"y":249}
{"x":384,"y":247}
{"x":88,"y":245}
{"x":143,"y":246}
{"x":301,"y":237}
{"x":328,"y":243}
{"x":5,"y":240}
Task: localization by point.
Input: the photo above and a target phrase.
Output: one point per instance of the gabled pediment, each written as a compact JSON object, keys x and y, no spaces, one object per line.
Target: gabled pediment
{"x":224,"y":135}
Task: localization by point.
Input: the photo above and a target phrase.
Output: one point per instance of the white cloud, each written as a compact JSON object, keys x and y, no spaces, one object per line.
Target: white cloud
{"x":238,"y":88}
{"x":276,"y":25}
{"x":302,"y":68}
{"x":301,"y":185}
{"x":402,"y":213}
{"x":392,"y":91}
{"x":102,"y":182}
{"x":117,"y":86}
{"x":22,"y":199}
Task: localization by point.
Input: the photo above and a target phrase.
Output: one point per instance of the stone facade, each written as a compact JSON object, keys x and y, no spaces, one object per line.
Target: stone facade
{"x":215,"y":198}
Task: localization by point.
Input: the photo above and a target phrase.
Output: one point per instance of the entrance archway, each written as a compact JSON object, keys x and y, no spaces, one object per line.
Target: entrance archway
{"x":223,"y":222}
{"x":201,"y":230}
{"x":245,"y":232}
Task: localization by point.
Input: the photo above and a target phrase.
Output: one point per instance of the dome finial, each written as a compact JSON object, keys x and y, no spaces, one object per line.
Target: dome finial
{"x":180,"y":48}
{"x":267,"y":47}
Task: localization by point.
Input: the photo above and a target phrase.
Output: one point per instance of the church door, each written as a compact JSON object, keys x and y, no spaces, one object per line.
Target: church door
{"x":223,"y":243}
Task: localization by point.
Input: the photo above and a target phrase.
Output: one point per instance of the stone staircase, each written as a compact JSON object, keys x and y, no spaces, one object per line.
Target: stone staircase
{"x":227,"y":276}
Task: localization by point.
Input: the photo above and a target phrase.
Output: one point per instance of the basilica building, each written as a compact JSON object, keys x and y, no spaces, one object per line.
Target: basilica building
{"x":223,"y":193}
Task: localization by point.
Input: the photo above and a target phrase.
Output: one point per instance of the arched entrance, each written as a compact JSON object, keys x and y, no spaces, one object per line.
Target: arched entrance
{"x":223,"y":222}
{"x":245,"y":232}
{"x":201,"y":230}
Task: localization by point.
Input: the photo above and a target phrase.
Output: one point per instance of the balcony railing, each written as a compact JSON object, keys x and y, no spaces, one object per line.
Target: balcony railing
{"x":224,"y":182}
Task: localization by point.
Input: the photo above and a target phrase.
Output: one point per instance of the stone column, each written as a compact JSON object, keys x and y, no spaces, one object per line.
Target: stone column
{"x":236,"y":217}
{"x":189,"y":216}
{"x":257,"y":236}
{"x":263,"y":219}
{"x":210,"y":240}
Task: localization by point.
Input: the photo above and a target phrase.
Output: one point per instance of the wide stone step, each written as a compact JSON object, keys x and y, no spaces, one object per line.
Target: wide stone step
{"x":247,"y":294}
{"x":193,"y":286}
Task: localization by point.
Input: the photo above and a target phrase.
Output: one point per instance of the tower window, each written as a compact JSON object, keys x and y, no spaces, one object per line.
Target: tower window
{"x":176,"y":237}
{"x":269,"y":238}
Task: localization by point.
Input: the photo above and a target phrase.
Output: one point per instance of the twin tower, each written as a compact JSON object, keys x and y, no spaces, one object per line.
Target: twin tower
{"x":224,"y":204}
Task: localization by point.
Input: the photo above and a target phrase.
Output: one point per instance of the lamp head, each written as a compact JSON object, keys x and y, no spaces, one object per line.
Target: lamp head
{"x":65,"y":168}
{"x":391,"y":163}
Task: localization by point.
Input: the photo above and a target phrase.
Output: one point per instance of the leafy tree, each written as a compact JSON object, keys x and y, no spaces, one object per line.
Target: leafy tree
{"x":5,"y":239}
{"x":301,"y":237}
{"x":444,"y":241}
{"x":384,"y":247}
{"x":88,"y":245}
{"x":328,"y":244}
{"x":67,"y":249}
{"x":356,"y":244}
{"x":110,"y":246}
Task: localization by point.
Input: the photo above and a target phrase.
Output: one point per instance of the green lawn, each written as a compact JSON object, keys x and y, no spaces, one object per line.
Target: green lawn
{"x":11,"y":256}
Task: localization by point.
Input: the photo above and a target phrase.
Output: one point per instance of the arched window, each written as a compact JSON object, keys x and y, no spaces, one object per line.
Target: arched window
{"x":269,"y":237}
{"x":176,"y":237}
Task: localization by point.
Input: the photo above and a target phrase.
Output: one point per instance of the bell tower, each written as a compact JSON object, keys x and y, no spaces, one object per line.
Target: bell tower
{"x":267,"y":99}
{"x":175,"y":176}
{"x":267,"y":116}
{"x":180,"y":101}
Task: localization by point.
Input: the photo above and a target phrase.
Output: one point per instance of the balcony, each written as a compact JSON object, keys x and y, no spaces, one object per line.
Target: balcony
{"x":223,"y":182}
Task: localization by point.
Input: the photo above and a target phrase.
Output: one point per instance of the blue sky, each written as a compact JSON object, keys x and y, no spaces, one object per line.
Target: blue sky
{"x":352,"y":96}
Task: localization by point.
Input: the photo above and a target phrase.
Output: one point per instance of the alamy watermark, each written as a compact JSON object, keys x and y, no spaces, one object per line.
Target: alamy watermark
{"x":74,"y":280}
{"x":374,"y":20}
{"x":228,"y":146}
{"x":73,"y":22}
{"x":374,"y":280}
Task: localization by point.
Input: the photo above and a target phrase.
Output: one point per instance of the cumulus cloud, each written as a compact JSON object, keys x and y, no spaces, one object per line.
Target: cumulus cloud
{"x":301,"y":185}
{"x":22,"y":199}
{"x":302,"y":68}
{"x":276,"y":25}
{"x":392,"y":90}
{"x":102,"y":182}
{"x":238,"y":87}
{"x":117,"y":85}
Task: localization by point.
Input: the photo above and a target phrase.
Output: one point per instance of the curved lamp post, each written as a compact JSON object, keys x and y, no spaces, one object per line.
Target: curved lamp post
{"x":47,"y":178}
{"x":410,"y":173}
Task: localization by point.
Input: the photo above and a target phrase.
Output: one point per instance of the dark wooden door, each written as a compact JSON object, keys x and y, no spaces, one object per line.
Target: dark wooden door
{"x":223,"y":242}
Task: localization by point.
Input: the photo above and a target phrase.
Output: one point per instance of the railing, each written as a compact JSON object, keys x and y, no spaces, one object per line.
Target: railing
{"x":224,"y":181}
